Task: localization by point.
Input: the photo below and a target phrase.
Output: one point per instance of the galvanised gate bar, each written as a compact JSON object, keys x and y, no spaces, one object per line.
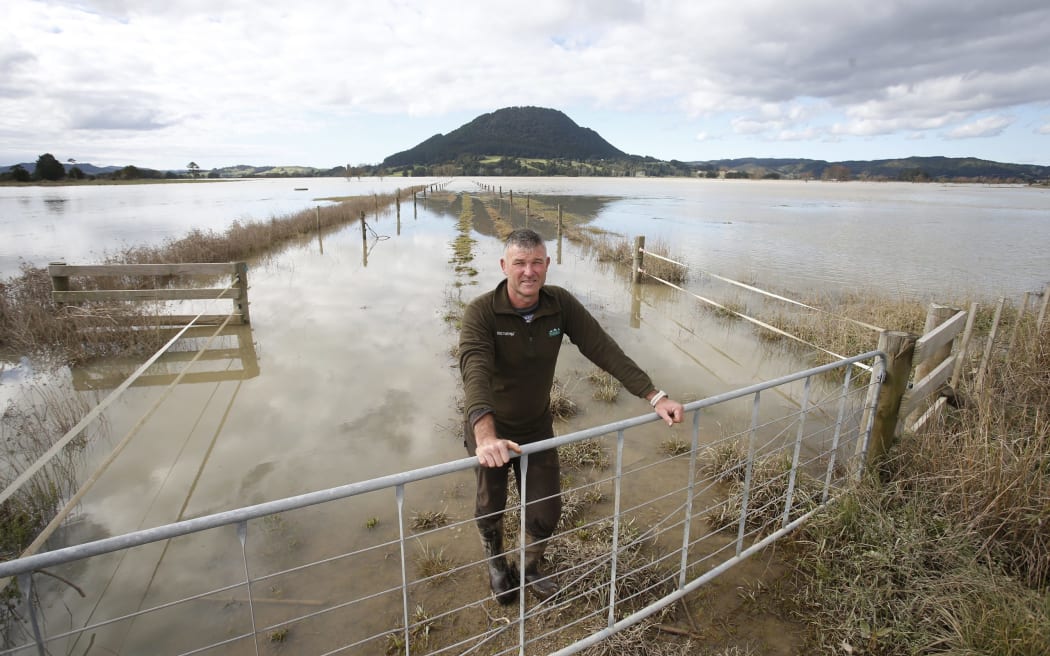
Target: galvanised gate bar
{"x":643,"y":526}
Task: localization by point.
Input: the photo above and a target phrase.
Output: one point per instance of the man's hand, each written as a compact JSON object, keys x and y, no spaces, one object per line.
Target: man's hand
{"x":670,"y":411}
{"x":492,"y":451}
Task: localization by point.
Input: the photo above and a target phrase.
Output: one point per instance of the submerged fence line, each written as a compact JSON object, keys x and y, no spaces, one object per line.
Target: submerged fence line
{"x":758,"y":290}
{"x":757,"y":322}
{"x":700,"y":532}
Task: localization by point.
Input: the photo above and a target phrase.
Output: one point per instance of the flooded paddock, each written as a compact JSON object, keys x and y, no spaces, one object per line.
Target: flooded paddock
{"x":346,"y":373}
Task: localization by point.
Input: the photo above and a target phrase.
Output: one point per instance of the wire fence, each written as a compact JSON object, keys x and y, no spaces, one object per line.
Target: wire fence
{"x":394,"y":564}
{"x":677,"y":266}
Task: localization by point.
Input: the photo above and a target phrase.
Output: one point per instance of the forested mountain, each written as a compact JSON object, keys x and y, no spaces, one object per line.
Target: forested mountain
{"x":529,"y":132}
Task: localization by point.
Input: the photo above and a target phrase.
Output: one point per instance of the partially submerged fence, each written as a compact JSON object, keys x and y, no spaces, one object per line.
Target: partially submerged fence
{"x":129,"y":277}
{"x":926,"y":369}
{"x":379,"y":566}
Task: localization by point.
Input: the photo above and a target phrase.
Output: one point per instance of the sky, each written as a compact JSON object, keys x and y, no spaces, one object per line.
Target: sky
{"x":326,"y":83}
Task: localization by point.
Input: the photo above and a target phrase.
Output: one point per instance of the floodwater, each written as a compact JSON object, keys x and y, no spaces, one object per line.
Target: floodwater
{"x":346,"y":373}
{"x":916,"y":240}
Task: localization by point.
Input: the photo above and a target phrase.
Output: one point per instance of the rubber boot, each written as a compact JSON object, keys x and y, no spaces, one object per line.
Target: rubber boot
{"x":543,"y":586}
{"x":503,"y":576}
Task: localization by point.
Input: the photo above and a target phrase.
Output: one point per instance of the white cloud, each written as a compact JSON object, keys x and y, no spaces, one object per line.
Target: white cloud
{"x":199,"y":72}
{"x":989,"y":126}
{"x":1044,"y":128}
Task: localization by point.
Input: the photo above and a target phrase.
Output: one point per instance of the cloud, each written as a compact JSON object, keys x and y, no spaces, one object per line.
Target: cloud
{"x":211,"y":72}
{"x":989,"y":126}
{"x":117,"y":117}
{"x":1044,"y":128}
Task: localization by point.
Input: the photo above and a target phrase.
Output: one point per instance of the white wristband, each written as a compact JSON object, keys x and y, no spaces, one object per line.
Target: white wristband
{"x":656,"y":398}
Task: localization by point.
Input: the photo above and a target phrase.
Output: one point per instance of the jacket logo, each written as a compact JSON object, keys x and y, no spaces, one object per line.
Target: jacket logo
{"x":505,"y":333}
{"x":554,"y":332}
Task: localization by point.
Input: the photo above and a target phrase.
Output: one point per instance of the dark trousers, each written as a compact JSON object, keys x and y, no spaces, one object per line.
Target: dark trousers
{"x":542,"y":498}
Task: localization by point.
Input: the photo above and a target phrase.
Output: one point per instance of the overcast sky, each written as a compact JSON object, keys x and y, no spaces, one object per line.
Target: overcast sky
{"x":320,"y":83}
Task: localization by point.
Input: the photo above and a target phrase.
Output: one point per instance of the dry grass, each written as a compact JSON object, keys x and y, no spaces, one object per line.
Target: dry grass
{"x":433,"y":563}
{"x":583,"y":455}
{"x":661,"y":268}
{"x":952,"y":555}
{"x":725,"y":461}
{"x":674,"y":447}
{"x":583,"y":558}
{"x":562,"y":406}
{"x":28,"y":427}
{"x":606,"y":387}
{"x":428,"y":519}
{"x":770,"y":480}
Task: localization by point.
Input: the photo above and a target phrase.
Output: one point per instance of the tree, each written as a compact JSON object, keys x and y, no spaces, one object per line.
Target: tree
{"x":49,"y":168}
{"x":129,"y":172}
{"x":836,"y":172}
{"x":193,"y":169}
{"x":19,"y":174}
{"x":76,"y":174}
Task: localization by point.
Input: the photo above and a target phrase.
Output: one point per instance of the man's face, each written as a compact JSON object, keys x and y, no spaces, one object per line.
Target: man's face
{"x":526,"y":271}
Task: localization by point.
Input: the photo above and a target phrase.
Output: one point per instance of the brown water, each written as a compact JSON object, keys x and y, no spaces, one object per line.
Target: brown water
{"x":346,"y":374}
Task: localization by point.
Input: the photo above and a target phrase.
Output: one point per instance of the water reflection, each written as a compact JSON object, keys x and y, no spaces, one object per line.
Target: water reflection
{"x":231,"y":356}
{"x":55,"y":205}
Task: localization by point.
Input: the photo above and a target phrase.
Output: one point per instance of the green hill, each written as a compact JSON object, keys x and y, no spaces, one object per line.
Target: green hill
{"x":529,"y":132}
{"x":918,"y":169}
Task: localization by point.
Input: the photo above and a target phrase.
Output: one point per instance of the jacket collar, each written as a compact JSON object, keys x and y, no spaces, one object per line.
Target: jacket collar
{"x":501,"y":301}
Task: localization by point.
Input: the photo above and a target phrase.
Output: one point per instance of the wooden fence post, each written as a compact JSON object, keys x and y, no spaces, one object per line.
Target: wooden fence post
{"x":241,"y":303}
{"x":637,"y":259}
{"x":59,"y":283}
{"x":560,"y":223}
{"x":899,"y":348}
{"x":989,"y":345}
{"x":962,"y":357}
{"x":364,"y":240}
{"x":1042,"y":310}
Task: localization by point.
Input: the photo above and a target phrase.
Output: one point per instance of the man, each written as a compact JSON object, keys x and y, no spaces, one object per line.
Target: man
{"x":508,"y":348}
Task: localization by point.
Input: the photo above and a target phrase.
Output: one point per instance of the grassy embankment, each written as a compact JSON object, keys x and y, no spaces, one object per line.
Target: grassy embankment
{"x":31,"y":324}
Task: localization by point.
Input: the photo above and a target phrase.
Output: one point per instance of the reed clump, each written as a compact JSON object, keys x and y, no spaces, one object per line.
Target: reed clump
{"x":606,"y":387}
{"x":952,"y":554}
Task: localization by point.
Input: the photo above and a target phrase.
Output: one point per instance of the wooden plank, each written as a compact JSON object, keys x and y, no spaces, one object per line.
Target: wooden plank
{"x":81,"y":382}
{"x":161,"y":322}
{"x":962,"y":355}
{"x":933,"y":411}
{"x":939,"y":336}
{"x":990,"y":343}
{"x":182,"y":269}
{"x":931,"y":384}
{"x":146,"y":295}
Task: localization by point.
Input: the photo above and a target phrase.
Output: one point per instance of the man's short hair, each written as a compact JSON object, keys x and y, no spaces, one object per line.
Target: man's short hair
{"x":524,"y":238}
